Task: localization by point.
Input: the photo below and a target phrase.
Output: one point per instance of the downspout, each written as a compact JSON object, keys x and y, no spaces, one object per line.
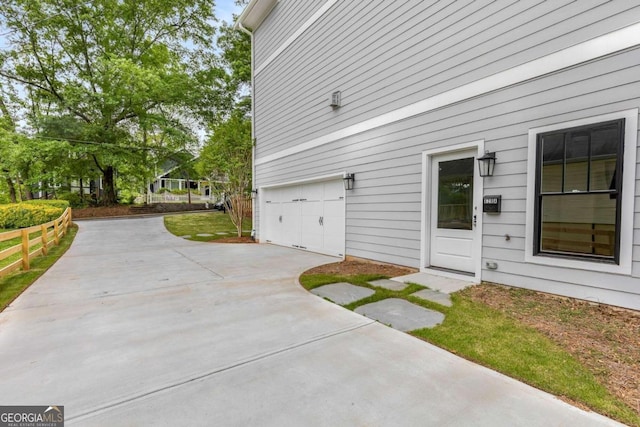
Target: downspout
{"x":253,"y":132}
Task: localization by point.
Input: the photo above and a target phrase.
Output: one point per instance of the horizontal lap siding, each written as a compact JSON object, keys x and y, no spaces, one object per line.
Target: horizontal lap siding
{"x":383,"y":214}
{"x":384,"y":55}
{"x":285,"y":18}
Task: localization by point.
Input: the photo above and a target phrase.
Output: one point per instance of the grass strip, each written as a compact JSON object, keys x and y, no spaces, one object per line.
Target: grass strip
{"x":204,"y":223}
{"x":14,"y":284}
{"x":491,"y":338}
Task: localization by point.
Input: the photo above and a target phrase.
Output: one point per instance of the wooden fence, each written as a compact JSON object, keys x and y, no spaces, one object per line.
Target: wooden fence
{"x":49,"y":234}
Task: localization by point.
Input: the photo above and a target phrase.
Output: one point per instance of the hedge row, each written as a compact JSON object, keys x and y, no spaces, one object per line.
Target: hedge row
{"x":64,"y":204}
{"x":28,"y":214}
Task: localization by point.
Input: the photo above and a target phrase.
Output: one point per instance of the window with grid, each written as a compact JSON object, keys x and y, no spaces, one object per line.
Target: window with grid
{"x":578,"y":189}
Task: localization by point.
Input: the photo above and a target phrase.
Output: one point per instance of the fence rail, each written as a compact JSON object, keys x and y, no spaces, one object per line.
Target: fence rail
{"x":50,"y":234}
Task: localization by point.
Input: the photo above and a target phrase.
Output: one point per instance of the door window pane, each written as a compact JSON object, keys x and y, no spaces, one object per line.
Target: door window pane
{"x":455,"y":194}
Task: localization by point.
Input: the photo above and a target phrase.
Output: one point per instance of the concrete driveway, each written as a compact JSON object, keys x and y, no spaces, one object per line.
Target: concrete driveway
{"x":136,"y":327}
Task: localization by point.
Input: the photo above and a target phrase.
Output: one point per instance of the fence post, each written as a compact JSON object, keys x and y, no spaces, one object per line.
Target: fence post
{"x":56,"y":237}
{"x":25,"y":249}
{"x":43,"y":231}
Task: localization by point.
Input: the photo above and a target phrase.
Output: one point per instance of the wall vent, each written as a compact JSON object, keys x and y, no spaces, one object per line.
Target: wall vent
{"x":335,"y":99}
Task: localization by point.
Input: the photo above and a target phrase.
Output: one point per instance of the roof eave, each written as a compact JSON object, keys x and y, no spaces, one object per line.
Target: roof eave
{"x":255,"y":12}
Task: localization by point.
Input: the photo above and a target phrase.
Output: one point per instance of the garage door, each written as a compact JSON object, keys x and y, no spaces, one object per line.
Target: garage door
{"x":306,"y":216}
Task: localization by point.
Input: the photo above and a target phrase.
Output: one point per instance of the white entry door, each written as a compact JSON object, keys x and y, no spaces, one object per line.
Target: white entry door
{"x":454,"y":211}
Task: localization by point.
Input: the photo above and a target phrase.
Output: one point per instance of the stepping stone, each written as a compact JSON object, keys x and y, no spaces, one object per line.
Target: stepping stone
{"x":434,"y":296}
{"x":222,"y":233}
{"x":204,"y":235}
{"x":186,"y":237}
{"x":389,"y":284}
{"x":401,"y":314}
{"x":343,"y":293}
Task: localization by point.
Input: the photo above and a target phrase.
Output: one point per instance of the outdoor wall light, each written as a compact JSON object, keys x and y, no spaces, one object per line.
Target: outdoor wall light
{"x":349,"y":179}
{"x":487,"y":163}
{"x":254,"y":193}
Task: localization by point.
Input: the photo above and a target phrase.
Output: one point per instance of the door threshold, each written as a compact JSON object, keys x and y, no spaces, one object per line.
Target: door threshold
{"x":452,"y":274}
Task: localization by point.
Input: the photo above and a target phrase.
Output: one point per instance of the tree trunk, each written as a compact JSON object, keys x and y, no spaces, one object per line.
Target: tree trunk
{"x":236,"y":213}
{"x":12,"y":190}
{"x":109,"y":197}
{"x":81,"y":191}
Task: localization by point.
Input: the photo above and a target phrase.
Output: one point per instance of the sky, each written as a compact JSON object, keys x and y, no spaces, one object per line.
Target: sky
{"x":225,"y":9}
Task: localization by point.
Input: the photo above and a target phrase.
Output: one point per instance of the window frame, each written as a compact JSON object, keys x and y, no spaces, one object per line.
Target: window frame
{"x":537,"y":249}
{"x":627,"y":196}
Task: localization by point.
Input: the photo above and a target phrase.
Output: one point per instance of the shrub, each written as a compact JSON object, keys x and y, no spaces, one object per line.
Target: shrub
{"x":22,"y":215}
{"x":63,"y":204}
{"x":74,"y":199}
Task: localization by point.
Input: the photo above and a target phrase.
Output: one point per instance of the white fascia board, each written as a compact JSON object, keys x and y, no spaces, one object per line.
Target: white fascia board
{"x":589,"y":50}
{"x":255,"y":12}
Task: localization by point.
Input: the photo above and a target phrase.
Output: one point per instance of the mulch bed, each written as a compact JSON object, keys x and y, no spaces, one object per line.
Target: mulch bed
{"x":347,"y":268}
{"x":98,"y":212}
{"x":243,"y":239}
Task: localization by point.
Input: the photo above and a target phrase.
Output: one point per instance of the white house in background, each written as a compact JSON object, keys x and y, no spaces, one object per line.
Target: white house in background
{"x":408,"y":95}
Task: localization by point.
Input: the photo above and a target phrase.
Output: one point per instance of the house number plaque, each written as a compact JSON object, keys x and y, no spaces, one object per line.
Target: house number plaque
{"x":492,"y":204}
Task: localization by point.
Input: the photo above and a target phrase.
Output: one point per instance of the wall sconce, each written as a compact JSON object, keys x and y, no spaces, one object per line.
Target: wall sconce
{"x":254,"y":193}
{"x":487,"y":163}
{"x":349,"y":179}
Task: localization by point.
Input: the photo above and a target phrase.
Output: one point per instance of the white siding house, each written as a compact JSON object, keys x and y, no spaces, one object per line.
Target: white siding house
{"x":425,"y":89}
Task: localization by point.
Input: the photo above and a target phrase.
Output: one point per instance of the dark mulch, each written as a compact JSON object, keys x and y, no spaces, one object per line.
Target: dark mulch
{"x":243,"y":239}
{"x":347,"y":268}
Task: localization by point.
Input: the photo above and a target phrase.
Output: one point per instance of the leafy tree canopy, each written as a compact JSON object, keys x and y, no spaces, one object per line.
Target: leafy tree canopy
{"x":136,"y":74}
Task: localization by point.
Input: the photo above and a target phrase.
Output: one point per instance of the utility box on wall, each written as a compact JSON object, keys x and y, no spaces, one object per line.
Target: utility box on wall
{"x":492,"y":203}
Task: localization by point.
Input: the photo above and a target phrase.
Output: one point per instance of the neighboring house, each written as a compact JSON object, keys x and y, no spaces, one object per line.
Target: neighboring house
{"x":407,"y":95}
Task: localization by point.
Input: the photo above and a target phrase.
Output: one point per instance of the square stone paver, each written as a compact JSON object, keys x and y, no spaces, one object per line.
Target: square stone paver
{"x":342,"y":293}
{"x":389,"y":284}
{"x":434,"y":296}
{"x":401,"y":314}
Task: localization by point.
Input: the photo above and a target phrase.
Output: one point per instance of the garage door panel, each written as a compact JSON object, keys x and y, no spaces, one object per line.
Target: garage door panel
{"x":308,"y":216}
{"x":291,"y":223}
{"x":272,"y":213}
{"x":334,"y":226}
{"x":312,"y":192}
{"x":334,"y":190}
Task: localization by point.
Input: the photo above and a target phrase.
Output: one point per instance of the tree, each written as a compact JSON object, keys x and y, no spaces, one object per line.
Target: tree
{"x":121,"y":68}
{"x":226,"y":158}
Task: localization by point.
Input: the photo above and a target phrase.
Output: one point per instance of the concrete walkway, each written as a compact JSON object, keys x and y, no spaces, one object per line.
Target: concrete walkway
{"x":136,"y":327}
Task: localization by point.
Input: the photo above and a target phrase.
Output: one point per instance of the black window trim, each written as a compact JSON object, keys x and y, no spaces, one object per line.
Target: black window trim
{"x":618,"y":192}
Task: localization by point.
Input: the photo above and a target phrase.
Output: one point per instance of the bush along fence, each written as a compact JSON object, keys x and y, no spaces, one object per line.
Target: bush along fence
{"x":47,"y":234}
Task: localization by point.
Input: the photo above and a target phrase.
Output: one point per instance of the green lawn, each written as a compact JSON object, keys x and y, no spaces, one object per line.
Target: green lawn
{"x":204,"y":223}
{"x":488,"y":337}
{"x":14,"y":284}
